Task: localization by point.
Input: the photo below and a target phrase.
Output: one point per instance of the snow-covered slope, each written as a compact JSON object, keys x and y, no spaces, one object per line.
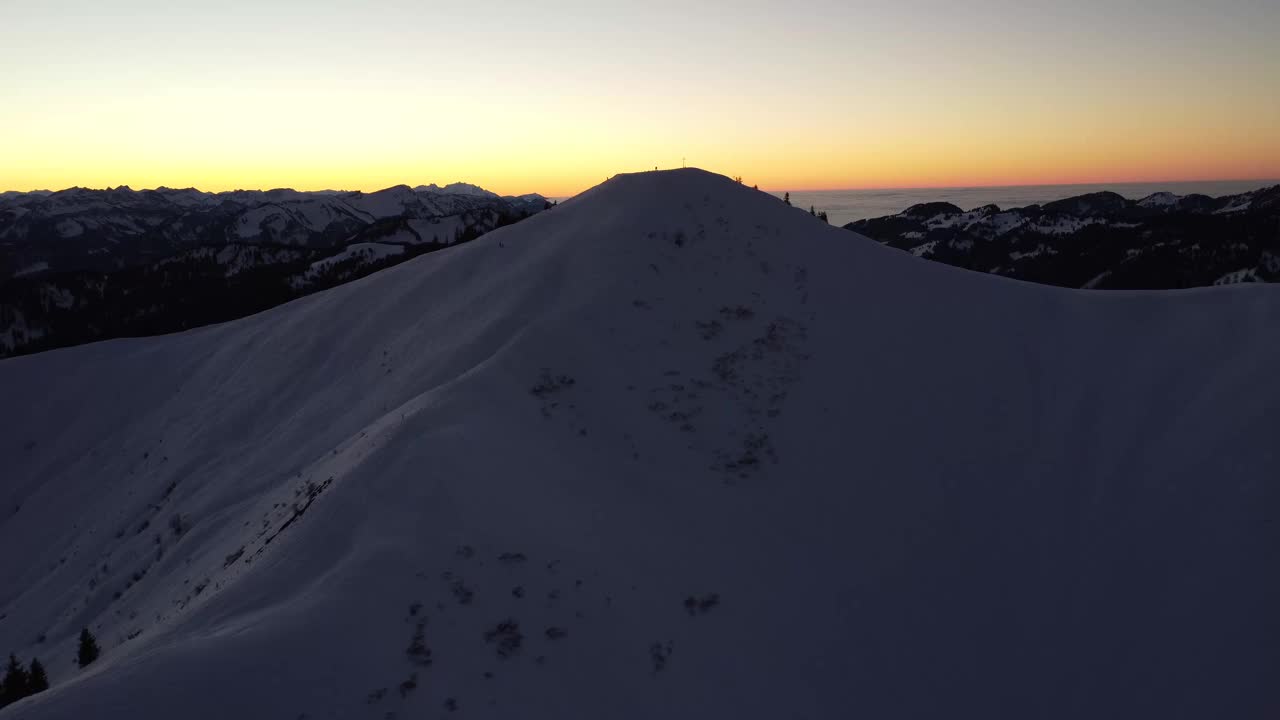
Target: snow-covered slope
{"x":671,"y":449}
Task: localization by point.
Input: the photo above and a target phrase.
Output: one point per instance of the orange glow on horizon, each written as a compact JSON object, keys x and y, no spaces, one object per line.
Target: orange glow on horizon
{"x":1088,"y":181}
{"x":148,"y":148}
{"x":564,"y":184}
{"x":557,"y":98}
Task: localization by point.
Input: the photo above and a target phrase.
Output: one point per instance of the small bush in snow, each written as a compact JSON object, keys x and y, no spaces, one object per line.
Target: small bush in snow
{"x":699,"y":605}
{"x":409,"y":685}
{"x":418,"y":651}
{"x":659,"y":656}
{"x":506,"y":635}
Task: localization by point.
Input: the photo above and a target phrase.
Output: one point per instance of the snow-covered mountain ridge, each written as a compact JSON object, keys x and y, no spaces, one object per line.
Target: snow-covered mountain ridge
{"x":83,"y":229}
{"x":673,"y":449}
{"x":89,"y":265}
{"x":1100,"y":240}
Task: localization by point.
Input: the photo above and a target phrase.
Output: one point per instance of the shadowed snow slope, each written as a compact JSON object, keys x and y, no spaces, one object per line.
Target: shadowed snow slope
{"x":671,"y":449}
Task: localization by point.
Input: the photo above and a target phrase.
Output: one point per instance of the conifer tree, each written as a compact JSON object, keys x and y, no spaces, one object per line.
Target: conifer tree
{"x":786,"y":198}
{"x":14,"y":686}
{"x":88,"y":651}
{"x":812,"y":211}
{"x":37,"y":679}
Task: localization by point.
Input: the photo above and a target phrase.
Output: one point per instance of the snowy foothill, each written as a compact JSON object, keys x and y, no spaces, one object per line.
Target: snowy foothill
{"x":669,"y":449}
{"x":1098,"y":240}
{"x":372,"y":251}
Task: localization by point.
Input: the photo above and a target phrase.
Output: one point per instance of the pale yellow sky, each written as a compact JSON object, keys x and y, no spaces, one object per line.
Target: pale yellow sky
{"x":555,"y":96}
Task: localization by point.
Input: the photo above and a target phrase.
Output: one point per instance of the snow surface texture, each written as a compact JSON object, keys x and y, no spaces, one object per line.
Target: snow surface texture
{"x":672,"y":449}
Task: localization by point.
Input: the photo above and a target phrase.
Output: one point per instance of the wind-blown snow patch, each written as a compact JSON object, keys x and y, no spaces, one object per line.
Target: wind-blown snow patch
{"x":1239,"y":276}
{"x":1244,"y":202}
{"x":1040,"y":249}
{"x":32,"y":269}
{"x":362,"y":252}
{"x":1160,"y":199}
{"x":443,"y":230}
{"x":924,"y":248}
{"x":1063,"y":224}
{"x":70,"y":228}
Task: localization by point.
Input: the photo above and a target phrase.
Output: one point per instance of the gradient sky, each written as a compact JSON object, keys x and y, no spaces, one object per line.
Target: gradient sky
{"x":554,"y":96}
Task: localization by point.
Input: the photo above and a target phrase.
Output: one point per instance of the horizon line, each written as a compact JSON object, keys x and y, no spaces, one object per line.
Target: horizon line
{"x":158,"y":188}
{"x":1273,"y":179}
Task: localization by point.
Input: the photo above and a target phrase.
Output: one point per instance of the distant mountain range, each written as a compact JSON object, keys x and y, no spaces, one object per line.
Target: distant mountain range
{"x":80,"y":265}
{"x":1100,"y":240}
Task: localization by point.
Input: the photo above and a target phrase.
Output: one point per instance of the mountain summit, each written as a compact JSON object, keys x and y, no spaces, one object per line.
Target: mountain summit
{"x":670,"y":449}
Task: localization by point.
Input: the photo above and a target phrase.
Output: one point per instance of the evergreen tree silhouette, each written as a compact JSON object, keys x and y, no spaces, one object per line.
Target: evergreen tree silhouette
{"x":37,"y":679}
{"x":14,"y":686}
{"x":786,"y":198}
{"x":88,"y":651}
{"x":812,"y":212}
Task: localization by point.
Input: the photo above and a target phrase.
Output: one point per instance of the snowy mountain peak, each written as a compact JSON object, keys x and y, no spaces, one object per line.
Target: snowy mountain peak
{"x":1160,"y":199}
{"x":670,"y":437}
{"x":457,"y":188}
